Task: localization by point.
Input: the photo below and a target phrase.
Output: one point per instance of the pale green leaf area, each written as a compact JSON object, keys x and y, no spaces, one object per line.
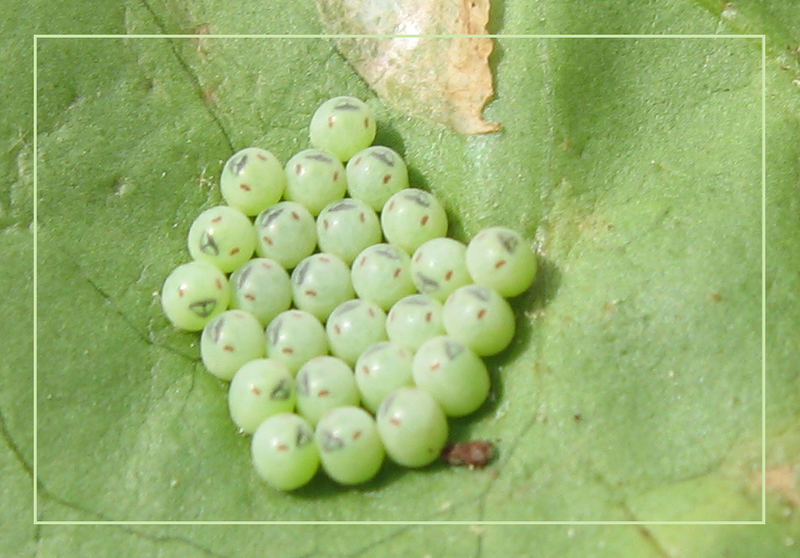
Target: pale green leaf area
{"x":632,"y":390}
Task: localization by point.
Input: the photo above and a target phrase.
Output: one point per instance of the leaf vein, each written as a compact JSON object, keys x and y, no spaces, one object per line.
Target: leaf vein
{"x":191,"y":73}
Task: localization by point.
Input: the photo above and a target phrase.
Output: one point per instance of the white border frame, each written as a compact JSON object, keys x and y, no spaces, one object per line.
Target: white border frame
{"x":37,"y":37}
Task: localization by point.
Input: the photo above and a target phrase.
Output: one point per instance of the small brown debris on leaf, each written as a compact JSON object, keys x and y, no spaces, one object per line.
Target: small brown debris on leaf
{"x":476,"y":453}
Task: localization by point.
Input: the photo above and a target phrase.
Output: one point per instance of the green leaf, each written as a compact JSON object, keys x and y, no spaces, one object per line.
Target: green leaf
{"x":632,"y":390}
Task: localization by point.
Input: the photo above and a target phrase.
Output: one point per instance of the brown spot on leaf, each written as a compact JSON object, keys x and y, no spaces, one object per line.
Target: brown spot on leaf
{"x":209,"y":95}
{"x":473,"y":454}
{"x":201,"y":43}
{"x":610,"y":307}
{"x":782,"y":480}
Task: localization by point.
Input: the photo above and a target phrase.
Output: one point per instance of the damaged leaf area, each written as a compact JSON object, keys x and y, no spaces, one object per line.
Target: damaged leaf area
{"x":446,"y":80}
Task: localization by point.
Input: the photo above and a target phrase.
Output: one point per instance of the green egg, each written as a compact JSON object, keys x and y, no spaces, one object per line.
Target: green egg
{"x":252,"y":180}
{"x":455,"y":376}
{"x":439,"y":266}
{"x":380,"y":370}
{"x":375,"y":174}
{"x":346,"y":227}
{"x":315,"y":178}
{"x":480,"y":318}
{"x":193,"y":294}
{"x":349,"y":446}
{"x":261,"y":287}
{"x":501,"y":259}
{"x":354,"y":326}
{"x":222,"y":236}
{"x":413,"y":320}
{"x":230,"y":340}
{"x":286,"y":233}
{"x":381,"y":274}
{"x":343,"y":125}
{"x":260,"y":388}
{"x":320,"y":283}
{"x":412,"y":427}
{"x":283,"y":451}
{"x":324,"y":383}
{"x":294,"y":337}
{"x":411,"y":217}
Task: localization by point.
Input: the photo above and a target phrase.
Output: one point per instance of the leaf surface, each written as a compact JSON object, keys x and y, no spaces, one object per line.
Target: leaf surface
{"x":632,"y":390}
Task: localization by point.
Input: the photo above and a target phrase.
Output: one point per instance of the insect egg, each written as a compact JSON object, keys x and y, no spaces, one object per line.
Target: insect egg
{"x":193,"y":294}
{"x":222,"y":236}
{"x":499,"y":257}
{"x":261,"y":388}
{"x":229,"y":341}
{"x":350,"y":448}
{"x":252,"y":180}
{"x":343,"y":125}
{"x":315,"y":178}
{"x":283,"y":451}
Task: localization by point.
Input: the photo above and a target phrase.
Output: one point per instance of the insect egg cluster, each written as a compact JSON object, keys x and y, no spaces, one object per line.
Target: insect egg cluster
{"x":348,"y":325}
